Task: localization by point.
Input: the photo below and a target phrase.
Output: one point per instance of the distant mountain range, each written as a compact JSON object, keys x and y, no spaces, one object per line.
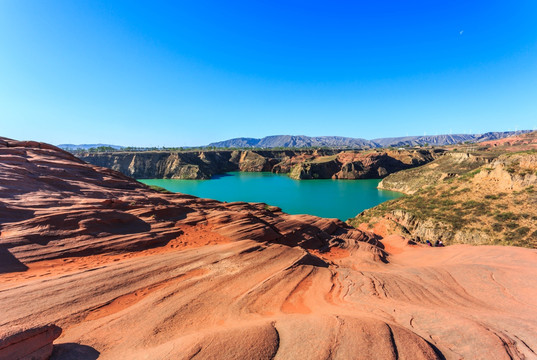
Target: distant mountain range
{"x":346,"y":142}
{"x":294,"y":141}
{"x":301,"y":141}
{"x":71,"y":147}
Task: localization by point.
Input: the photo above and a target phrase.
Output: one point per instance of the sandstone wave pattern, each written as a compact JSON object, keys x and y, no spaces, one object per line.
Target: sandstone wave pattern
{"x":130,"y":273}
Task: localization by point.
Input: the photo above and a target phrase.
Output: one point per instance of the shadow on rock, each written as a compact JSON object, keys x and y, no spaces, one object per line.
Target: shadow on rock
{"x":9,"y":263}
{"x":73,"y":351}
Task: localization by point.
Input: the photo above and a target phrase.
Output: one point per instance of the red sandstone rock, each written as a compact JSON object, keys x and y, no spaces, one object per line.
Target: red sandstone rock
{"x":34,"y":343}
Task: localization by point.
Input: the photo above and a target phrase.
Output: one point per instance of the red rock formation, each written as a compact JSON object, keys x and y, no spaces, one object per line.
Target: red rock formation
{"x":522,"y":142}
{"x":35,"y":343}
{"x":129,"y":273}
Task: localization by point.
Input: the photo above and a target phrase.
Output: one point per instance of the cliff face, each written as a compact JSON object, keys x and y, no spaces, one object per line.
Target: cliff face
{"x":362,"y":165}
{"x":492,"y":204}
{"x":305,"y":164}
{"x":190,"y":165}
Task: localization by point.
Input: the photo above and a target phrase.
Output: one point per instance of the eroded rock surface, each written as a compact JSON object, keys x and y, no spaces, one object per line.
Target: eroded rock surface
{"x":131,"y":273}
{"x":351,"y":165}
{"x":301,"y":164}
{"x":34,"y":343}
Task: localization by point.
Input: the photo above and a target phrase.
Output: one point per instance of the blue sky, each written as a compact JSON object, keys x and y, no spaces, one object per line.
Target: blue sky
{"x":157,"y":73}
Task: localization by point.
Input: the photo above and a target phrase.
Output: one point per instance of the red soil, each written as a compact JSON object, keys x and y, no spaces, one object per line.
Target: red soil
{"x":522,"y":142}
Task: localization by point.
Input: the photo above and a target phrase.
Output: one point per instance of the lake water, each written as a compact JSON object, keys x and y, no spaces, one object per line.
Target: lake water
{"x":341,"y":199}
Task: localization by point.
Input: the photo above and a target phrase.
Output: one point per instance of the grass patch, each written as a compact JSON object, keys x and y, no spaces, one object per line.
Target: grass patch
{"x":495,"y":197}
{"x":160,"y":189}
{"x":506,"y":216}
{"x":511,"y":225}
{"x":469,"y":175}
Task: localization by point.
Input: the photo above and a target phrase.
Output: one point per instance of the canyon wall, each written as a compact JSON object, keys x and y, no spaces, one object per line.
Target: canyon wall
{"x":191,"y":165}
{"x":300,"y":164}
{"x":352,"y":165}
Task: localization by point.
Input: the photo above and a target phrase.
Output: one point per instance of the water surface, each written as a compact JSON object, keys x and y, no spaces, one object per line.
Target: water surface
{"x":341,"y":199}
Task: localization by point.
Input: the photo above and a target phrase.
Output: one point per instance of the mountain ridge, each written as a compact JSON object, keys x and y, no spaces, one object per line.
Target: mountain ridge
{"x":71,"y":147}
{"x":303,"y":141}
{"x":341,"y":141}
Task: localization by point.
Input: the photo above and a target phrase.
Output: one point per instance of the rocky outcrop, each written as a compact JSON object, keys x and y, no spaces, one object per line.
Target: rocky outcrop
{"x":34,"y":343}
{"x":321,"y":168}
{"x":253,"y":162}
{"x":362,"y":165}
{"x":166,"y":165}
{"x":433,"y":230}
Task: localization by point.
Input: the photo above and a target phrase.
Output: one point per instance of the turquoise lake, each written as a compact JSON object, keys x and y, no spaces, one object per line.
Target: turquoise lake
{"x":341,"y":199}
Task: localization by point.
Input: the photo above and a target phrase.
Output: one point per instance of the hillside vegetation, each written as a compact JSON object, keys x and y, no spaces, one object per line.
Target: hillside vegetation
{"x":463,"y":198}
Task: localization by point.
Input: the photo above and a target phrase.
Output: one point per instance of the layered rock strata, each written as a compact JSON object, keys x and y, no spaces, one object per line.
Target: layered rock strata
{"x":34,"y":343}
{"x":301,"y":164}
{"x":362,"y":165}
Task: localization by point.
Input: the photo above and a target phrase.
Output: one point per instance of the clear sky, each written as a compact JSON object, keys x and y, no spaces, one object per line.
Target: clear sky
{"x":165,"y":73}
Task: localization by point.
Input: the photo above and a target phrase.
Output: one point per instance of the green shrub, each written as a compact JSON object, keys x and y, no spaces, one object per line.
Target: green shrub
{"x":470,"y":174}
{"x":506,"y":216}
{"x":159,"y":189}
